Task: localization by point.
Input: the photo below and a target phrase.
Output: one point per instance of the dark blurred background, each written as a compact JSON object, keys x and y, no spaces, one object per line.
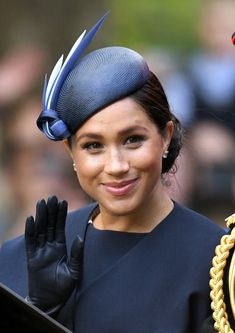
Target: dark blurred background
{"x":187,"y":44}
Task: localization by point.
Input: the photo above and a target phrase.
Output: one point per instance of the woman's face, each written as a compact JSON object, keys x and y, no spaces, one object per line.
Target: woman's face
{"x":118,"y":155}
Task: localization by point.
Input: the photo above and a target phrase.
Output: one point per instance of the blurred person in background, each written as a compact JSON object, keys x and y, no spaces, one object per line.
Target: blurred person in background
{"x":34,"y":167}
{"x":28,"y":165}
{"x":20,"y":69}
{"x":211,"y":71}
{"x":201,"y":92}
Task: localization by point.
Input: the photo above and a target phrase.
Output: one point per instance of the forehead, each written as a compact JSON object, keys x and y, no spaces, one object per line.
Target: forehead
{"x":117,"y":117}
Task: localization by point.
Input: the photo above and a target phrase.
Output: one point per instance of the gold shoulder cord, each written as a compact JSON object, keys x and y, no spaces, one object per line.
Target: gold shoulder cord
{"x":218,"y":306}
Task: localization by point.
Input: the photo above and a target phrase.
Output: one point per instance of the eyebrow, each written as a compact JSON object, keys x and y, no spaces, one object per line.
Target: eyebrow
{"x":97,"y":136}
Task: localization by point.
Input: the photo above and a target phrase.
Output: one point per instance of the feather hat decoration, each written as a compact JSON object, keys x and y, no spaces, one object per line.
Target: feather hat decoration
{"x":48,"y":121}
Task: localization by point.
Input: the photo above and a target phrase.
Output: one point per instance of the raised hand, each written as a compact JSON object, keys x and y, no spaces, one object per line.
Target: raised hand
{"x":52,"y":276}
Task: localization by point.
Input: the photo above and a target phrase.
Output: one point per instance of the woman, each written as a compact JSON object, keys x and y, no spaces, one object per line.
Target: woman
{"x":138,"y":261}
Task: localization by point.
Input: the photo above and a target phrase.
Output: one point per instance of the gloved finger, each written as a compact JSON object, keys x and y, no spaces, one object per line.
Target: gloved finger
{"x":30,"y":241}
{"x":61,"y":219}
{"x":52,"y":209}
{"x":41,"y":222}
{"x":76,"y":255}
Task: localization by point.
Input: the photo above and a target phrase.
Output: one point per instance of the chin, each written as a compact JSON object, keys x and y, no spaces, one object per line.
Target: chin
{"x":120,"y":207}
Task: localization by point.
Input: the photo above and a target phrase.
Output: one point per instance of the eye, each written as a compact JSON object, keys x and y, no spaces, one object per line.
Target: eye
{"x":92,"y":146}
{"x":135,"y":140}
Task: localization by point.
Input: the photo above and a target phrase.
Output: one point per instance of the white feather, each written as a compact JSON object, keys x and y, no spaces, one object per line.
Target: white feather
{"x":74,"y":47}
{"x":53,"y":76}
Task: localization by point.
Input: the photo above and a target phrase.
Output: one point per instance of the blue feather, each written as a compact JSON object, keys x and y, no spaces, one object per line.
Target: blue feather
{"x":44,"y":92}
{"x":72,"y":59}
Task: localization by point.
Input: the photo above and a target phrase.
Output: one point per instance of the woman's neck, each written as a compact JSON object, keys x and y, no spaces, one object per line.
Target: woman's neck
{"x":140,"y":221}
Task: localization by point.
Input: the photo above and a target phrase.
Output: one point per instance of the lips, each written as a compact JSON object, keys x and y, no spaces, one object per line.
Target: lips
{"x":120,"y":188}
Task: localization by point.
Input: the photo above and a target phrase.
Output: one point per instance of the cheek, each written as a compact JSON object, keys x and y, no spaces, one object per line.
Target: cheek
{"x":150,"y":162}
{"x":150,"y":157}
{"x":88,"y":167}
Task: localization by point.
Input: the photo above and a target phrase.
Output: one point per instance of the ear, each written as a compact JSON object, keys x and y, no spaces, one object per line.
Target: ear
{"x":68,"y":147}
{"x":168,"y":134}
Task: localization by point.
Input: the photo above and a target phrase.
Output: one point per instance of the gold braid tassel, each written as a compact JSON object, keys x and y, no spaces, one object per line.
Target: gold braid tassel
{"x":218,"y":305}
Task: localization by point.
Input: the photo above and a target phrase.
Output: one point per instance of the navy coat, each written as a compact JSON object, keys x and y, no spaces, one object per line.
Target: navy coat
{"x":161,"y":285}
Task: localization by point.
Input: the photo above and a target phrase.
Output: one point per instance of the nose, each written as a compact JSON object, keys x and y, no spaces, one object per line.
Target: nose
{"x":116,"y":162}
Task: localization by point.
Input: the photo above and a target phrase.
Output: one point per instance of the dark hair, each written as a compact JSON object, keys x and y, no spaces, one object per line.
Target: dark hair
{"x":153,"y":100}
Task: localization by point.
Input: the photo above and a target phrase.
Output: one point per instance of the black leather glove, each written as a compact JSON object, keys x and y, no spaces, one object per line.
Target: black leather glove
{"x":52,"y":276}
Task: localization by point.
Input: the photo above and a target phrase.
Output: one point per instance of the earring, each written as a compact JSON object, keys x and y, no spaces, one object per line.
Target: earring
{"x":165,"y":155}
{"x":74,"y":167}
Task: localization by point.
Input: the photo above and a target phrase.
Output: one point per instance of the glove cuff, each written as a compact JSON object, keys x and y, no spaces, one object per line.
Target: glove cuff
{"x":50,"y":312}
